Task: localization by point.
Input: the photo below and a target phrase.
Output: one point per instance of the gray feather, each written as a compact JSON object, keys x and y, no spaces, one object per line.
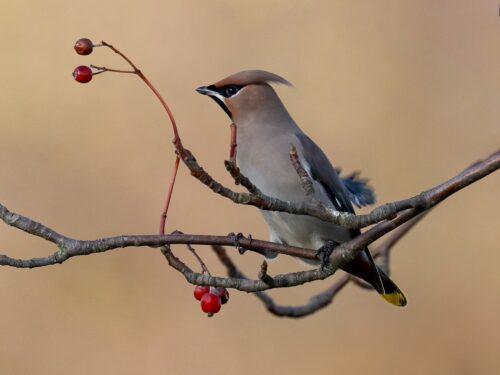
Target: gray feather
{"x":323,"y":172}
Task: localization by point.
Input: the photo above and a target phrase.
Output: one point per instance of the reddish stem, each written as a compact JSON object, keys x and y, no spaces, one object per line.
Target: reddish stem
{"x":176,"y":140}
{"x":232,"y":143}
{"x":163,"y":218}
{"x":163,"y":103}
{"x":149,"y":84}
{"x":103,"y":43}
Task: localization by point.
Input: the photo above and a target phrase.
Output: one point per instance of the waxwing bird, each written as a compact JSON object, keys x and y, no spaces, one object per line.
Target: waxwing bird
{"x":265,"y":133}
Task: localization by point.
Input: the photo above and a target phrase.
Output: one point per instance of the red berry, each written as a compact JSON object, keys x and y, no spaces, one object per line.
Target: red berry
{"x":200,"y":291}
{"x":82,"y":74}
{"x":210,"y":303}
{"x":223,"y":294}
{"x":84,"y":46}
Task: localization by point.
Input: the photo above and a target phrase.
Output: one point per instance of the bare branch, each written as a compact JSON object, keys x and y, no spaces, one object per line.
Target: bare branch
{"x":383,"y":251}
{"x":322,"y":299}
{"x":315,"y":303}
{"x":342,"y":254}
{"x":30,"y":226}
{"x":239,"y":179}
{"x":69,"y":248}
{"x":242,"y":283}
{"x":422,"y":201}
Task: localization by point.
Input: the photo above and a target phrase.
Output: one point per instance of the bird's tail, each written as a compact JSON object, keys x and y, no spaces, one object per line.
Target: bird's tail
{"x":391,"y":292}
{"x":365,"y":268}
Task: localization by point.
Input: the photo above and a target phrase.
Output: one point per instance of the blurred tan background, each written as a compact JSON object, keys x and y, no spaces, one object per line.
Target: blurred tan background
{"x":406,"y":91}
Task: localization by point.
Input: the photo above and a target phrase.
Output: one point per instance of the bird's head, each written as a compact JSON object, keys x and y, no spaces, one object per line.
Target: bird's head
{"x":244,"y":94}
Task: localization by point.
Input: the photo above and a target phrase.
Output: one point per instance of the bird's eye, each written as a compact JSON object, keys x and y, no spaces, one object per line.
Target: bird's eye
{"x":230,"y":90}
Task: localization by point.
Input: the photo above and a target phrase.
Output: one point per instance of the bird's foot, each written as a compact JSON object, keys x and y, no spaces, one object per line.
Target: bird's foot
{"x":236,"y":238}
{"x":324,"y":252}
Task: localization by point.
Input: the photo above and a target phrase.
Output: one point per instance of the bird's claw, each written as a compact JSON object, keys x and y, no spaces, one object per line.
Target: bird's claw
{"x":324,"y":252}
{"x":236,"y":238}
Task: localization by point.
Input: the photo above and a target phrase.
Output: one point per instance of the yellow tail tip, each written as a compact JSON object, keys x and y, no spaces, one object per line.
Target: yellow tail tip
{"x":396,"y":298}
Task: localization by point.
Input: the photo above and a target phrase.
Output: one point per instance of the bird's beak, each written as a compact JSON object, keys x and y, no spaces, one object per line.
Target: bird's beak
{"x":204,"y":90}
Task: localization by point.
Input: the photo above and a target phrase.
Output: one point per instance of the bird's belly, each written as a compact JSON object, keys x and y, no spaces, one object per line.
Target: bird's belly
{"x":303,"y":231}
{"x":275,"y":176}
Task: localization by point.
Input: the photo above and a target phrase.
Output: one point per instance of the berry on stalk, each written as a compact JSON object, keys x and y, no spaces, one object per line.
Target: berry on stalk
{"x":84,"y":46}
{"x":200,"y":291}
{"x":211,"y":303}
{"x":82,"y":74}
{"x":223,"y":294}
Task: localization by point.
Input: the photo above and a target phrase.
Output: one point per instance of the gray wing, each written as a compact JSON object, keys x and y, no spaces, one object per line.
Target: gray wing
{"x":323,"y":172}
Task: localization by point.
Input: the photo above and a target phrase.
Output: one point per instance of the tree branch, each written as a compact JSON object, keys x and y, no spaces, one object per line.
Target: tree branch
{"x":344,"y":253}
{"x":421,"y":202}
{"x":324,"y":298}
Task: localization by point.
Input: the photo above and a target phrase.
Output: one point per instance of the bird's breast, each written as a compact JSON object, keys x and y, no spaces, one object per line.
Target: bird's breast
{"x":265,"y":160}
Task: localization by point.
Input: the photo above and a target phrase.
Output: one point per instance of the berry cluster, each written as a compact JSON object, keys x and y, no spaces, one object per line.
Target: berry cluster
{"x":211,"y":298}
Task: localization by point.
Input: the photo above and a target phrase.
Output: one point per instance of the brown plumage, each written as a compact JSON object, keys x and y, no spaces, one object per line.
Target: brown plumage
{"x":264,"y":136}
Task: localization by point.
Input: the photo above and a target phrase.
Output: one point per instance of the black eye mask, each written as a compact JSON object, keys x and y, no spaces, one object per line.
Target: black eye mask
{"x":226,"y":91}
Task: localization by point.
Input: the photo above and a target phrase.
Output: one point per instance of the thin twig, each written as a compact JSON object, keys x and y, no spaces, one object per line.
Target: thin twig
{"x":305,"y":179}
{"x":103,"y":69}
{"x":164,"y":214}
{"x":263,"y":275}
{"x":204,"y":268}
{"x":239,"y":179}
{"x":383,"y":251}
{"x":103,"y":43}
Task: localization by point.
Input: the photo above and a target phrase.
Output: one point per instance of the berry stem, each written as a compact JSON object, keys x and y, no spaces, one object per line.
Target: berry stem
{"x":204,"y":267}
{"x":104,"y":44}
{"x":148,"y":83}
{"x":163,"y":218}
{"x":102,"y":69}
{"x":176,"y":140}
{"x":163,"y":103}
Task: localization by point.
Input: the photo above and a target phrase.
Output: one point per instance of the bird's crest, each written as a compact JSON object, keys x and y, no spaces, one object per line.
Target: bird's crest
{"x":248,"y":77}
